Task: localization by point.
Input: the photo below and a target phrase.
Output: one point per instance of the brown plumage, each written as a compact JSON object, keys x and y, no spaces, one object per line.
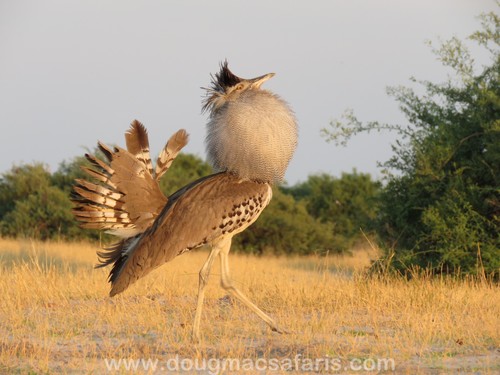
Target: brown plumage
{"x":195,"y":207}
{"x":170,"y":152}
{"x":128,"y":197}
{"x":138,"y":144}
{"x":252,"y":136}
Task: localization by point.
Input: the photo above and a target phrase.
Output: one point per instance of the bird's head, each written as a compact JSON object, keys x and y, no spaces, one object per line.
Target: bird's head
{"x":251,"y":132}
{"x":226,"y":86}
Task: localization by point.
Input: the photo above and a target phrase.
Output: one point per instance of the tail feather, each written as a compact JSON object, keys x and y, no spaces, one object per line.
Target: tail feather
{"x":95,"y":197}
{"x":97,"y":212}
{"x":109,"y":220}
{"x":100,"y":165}
{"x":95,"y":217}
{"x":170,"y":152}
{"x":117,"y":255}
{"x":124,"y":197}
{"x":138,"y":144}
{"x":102,"y":190}
{"x":111,"y":254}
{"x":107,"y":152}
{"x":99,"y":176}
{"x":102,"y":171}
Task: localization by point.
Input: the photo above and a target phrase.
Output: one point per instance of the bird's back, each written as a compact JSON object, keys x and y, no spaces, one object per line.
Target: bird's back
{"x":199,"y":214}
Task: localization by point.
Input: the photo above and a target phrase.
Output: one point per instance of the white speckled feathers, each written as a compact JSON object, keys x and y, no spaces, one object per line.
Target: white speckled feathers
{"x":253,"y":137}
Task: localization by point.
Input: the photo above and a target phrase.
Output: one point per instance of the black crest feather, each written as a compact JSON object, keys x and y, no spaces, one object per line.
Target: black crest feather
{"x":225,"y":78}
{"x":220,"y":83}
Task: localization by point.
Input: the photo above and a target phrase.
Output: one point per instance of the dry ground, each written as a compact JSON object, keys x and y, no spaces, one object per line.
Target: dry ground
{"x":56,"y":317}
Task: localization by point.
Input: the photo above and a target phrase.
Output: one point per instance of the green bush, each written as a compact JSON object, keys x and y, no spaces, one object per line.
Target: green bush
{"x":441,"y":209}
{"x":348,"y":204}
{"x":31,"y":206}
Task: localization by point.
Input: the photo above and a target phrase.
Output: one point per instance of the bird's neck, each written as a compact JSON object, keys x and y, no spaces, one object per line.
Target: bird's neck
{"x":253,"y":137}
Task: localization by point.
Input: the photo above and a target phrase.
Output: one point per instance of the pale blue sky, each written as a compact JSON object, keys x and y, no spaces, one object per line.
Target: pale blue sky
{"x":72,"y":72}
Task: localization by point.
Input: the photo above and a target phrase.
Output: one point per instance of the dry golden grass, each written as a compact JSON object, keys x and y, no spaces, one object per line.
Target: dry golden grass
{"x":56,"y":317}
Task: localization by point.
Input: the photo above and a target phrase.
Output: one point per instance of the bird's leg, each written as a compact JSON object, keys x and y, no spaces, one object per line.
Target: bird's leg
{"x":203,"y":280}
{"x":227,"y":284}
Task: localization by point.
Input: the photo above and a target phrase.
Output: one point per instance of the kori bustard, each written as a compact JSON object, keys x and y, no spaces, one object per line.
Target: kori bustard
{"x":252,"y":135}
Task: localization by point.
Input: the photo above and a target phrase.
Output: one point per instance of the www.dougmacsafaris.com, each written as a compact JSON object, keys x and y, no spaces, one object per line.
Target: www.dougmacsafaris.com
{"x":216,"y":365}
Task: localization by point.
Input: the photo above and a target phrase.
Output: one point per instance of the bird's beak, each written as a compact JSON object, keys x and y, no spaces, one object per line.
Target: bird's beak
{"x":257,"y":82}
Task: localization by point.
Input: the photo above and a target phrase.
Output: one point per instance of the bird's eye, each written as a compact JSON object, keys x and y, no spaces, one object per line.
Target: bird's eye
{"x":240,"y":86}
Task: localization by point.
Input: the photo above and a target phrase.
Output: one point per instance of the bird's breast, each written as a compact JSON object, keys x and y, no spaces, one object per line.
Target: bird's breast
{"x":254,"y":137}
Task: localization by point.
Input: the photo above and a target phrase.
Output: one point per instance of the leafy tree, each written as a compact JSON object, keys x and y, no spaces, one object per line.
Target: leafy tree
{"x":31,"y":206}
{"x":348,"y":203}
{"x":45,"y":214}
{"x":64,"y":179}
{"x":442,"y":208}
{"x":20,"y":182}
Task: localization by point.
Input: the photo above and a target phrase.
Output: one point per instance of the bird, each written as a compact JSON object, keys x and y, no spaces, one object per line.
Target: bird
{"x":252,"y":134}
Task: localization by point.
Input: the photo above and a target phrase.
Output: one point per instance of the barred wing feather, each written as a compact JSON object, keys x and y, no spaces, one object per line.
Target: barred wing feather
{"x":124,"y":198}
